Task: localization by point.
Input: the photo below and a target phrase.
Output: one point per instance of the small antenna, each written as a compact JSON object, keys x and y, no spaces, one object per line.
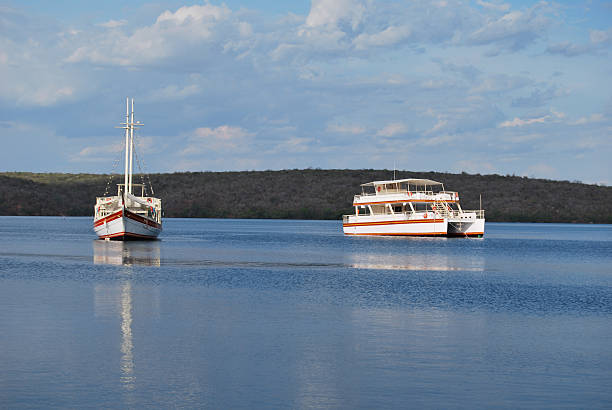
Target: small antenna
{"x":394,"y":170}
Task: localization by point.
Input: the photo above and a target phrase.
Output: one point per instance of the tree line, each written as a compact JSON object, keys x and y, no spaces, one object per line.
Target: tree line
{"x":302,"y":194}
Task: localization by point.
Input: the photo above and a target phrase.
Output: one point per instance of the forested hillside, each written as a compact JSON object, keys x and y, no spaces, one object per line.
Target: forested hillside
{"x":303,"y":194}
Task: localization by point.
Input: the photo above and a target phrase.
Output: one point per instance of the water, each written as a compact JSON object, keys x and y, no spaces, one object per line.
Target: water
{"x":292,"y":314}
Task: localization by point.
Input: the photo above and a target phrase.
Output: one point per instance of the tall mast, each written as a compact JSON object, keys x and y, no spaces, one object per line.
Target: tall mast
{"x":131,"y":126}
{"x":127,"y":141}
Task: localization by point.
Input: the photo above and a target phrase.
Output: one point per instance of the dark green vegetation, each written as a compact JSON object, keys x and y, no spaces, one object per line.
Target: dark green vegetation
{"x":304,"y":194}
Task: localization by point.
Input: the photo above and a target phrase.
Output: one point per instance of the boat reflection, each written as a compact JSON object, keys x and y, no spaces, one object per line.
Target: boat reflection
{"x":417,"y":262}
{"x":113,"y":300}
{"x":145,"y":253}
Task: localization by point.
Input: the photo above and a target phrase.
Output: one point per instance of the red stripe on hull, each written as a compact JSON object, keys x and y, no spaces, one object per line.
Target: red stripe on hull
{"x":127,"y":235}
{"x":416,"y":221}
{"x":128,"y":214}
{"x":108,"y":218}
{"x":142,"y":220}
{"x":398,"y":234}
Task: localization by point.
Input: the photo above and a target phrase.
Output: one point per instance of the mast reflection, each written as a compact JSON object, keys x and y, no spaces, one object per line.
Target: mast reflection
{"x":145,"y":253}
{"x":116,"y":300}
{"x":127,"y":357}
{"x":112,"y":301}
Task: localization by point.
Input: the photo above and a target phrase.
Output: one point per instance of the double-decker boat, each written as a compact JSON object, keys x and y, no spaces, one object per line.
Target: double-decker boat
{"x":126,"y":215}
{"x":417,"y":207}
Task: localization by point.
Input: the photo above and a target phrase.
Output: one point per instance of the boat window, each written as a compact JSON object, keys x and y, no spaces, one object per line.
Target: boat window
{"x":364,"y":210}
{"x":380,"y":209}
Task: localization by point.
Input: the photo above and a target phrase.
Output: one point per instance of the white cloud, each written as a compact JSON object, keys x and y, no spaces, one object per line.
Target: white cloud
{"x":539,"y":97}
{"x":392,"y":129}
{"x":345,"y":129}
{"x":390,"y":35}
{"x":31,"y":83}
{"x":173,"y":92}
{"x":588,"y":120}
{"x":598,"y":40}
{"x":496,"y":83}
{"x":294,"y":145}
{"x":461,"y":116}
{"x":568,"y":49}
{"x":222,"y":138}
{"x":601,"y":37}
{"x":351,"y":67}
{"x":28,"y":146}
{"x":517,"y":122}
{"x":437,"y":127}
{"x":113,"y":23}
{"x":332,"y":12}
{"x":47,"y":94}
{"x":172,"y":34}
{"x":475,"y":167}
{"x":541,"y":170}
{"x":31,"y":75}
{"x":197,"y":13}
{"x":109,"y":149}
{"x":594,"y":142}
{"x":436,"y":140}
{"x":223,"y":133}
{"x":494,"y":6}
{"x":337,"y":27}
{"x":525,"y":137}
{"x":96,"y":150}
{"x":513,"y":31}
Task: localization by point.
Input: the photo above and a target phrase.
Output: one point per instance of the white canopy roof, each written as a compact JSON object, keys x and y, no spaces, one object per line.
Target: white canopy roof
{"x":416,"y":182}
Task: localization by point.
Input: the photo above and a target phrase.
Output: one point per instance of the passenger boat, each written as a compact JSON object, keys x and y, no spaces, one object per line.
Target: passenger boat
{"x":127,"y":215}
{"x":417,"y":207}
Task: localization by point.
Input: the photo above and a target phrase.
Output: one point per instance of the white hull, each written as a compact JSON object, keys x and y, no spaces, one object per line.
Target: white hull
{"x":126,"y":225}
{"x":418,"y":225}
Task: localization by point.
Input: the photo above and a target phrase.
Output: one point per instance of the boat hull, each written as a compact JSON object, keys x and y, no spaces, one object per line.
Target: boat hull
{"x":126,"y":225}
{"x":357,"y":225}
{"x":390,"y":227}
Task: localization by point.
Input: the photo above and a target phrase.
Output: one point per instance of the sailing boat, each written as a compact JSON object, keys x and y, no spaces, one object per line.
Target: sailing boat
{"x":126,"y":215}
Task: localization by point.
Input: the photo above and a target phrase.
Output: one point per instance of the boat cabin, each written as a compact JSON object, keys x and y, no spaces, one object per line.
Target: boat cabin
{"x":402,"y":186}
{"x":405,"y":196}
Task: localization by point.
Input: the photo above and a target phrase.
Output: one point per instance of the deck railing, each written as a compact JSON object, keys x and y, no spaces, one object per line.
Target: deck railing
{"x":395,"y":191}
{"x":443,"y":213}
{"x":479,"y":213}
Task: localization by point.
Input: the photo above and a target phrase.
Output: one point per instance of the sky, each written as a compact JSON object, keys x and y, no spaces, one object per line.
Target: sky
{"x":491,"y":87}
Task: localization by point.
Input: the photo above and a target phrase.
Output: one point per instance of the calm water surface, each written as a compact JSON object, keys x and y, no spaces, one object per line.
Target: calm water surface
{"x":292,"y":314}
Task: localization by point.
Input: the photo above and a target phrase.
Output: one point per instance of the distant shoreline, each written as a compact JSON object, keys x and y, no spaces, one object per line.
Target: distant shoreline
{"x":308,"y":194}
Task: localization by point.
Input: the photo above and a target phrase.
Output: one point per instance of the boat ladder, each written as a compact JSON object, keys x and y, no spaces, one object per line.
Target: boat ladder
{"x":441,"y":208}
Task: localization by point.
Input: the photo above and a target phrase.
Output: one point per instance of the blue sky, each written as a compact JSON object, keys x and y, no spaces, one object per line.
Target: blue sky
{"x":507,"y":87}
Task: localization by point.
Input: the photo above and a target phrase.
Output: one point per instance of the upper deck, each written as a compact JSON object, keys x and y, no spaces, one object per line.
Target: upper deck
{"x":404,"y":190}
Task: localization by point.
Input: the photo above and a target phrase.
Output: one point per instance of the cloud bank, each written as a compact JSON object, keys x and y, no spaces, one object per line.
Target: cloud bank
{"x":352,"y":83}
